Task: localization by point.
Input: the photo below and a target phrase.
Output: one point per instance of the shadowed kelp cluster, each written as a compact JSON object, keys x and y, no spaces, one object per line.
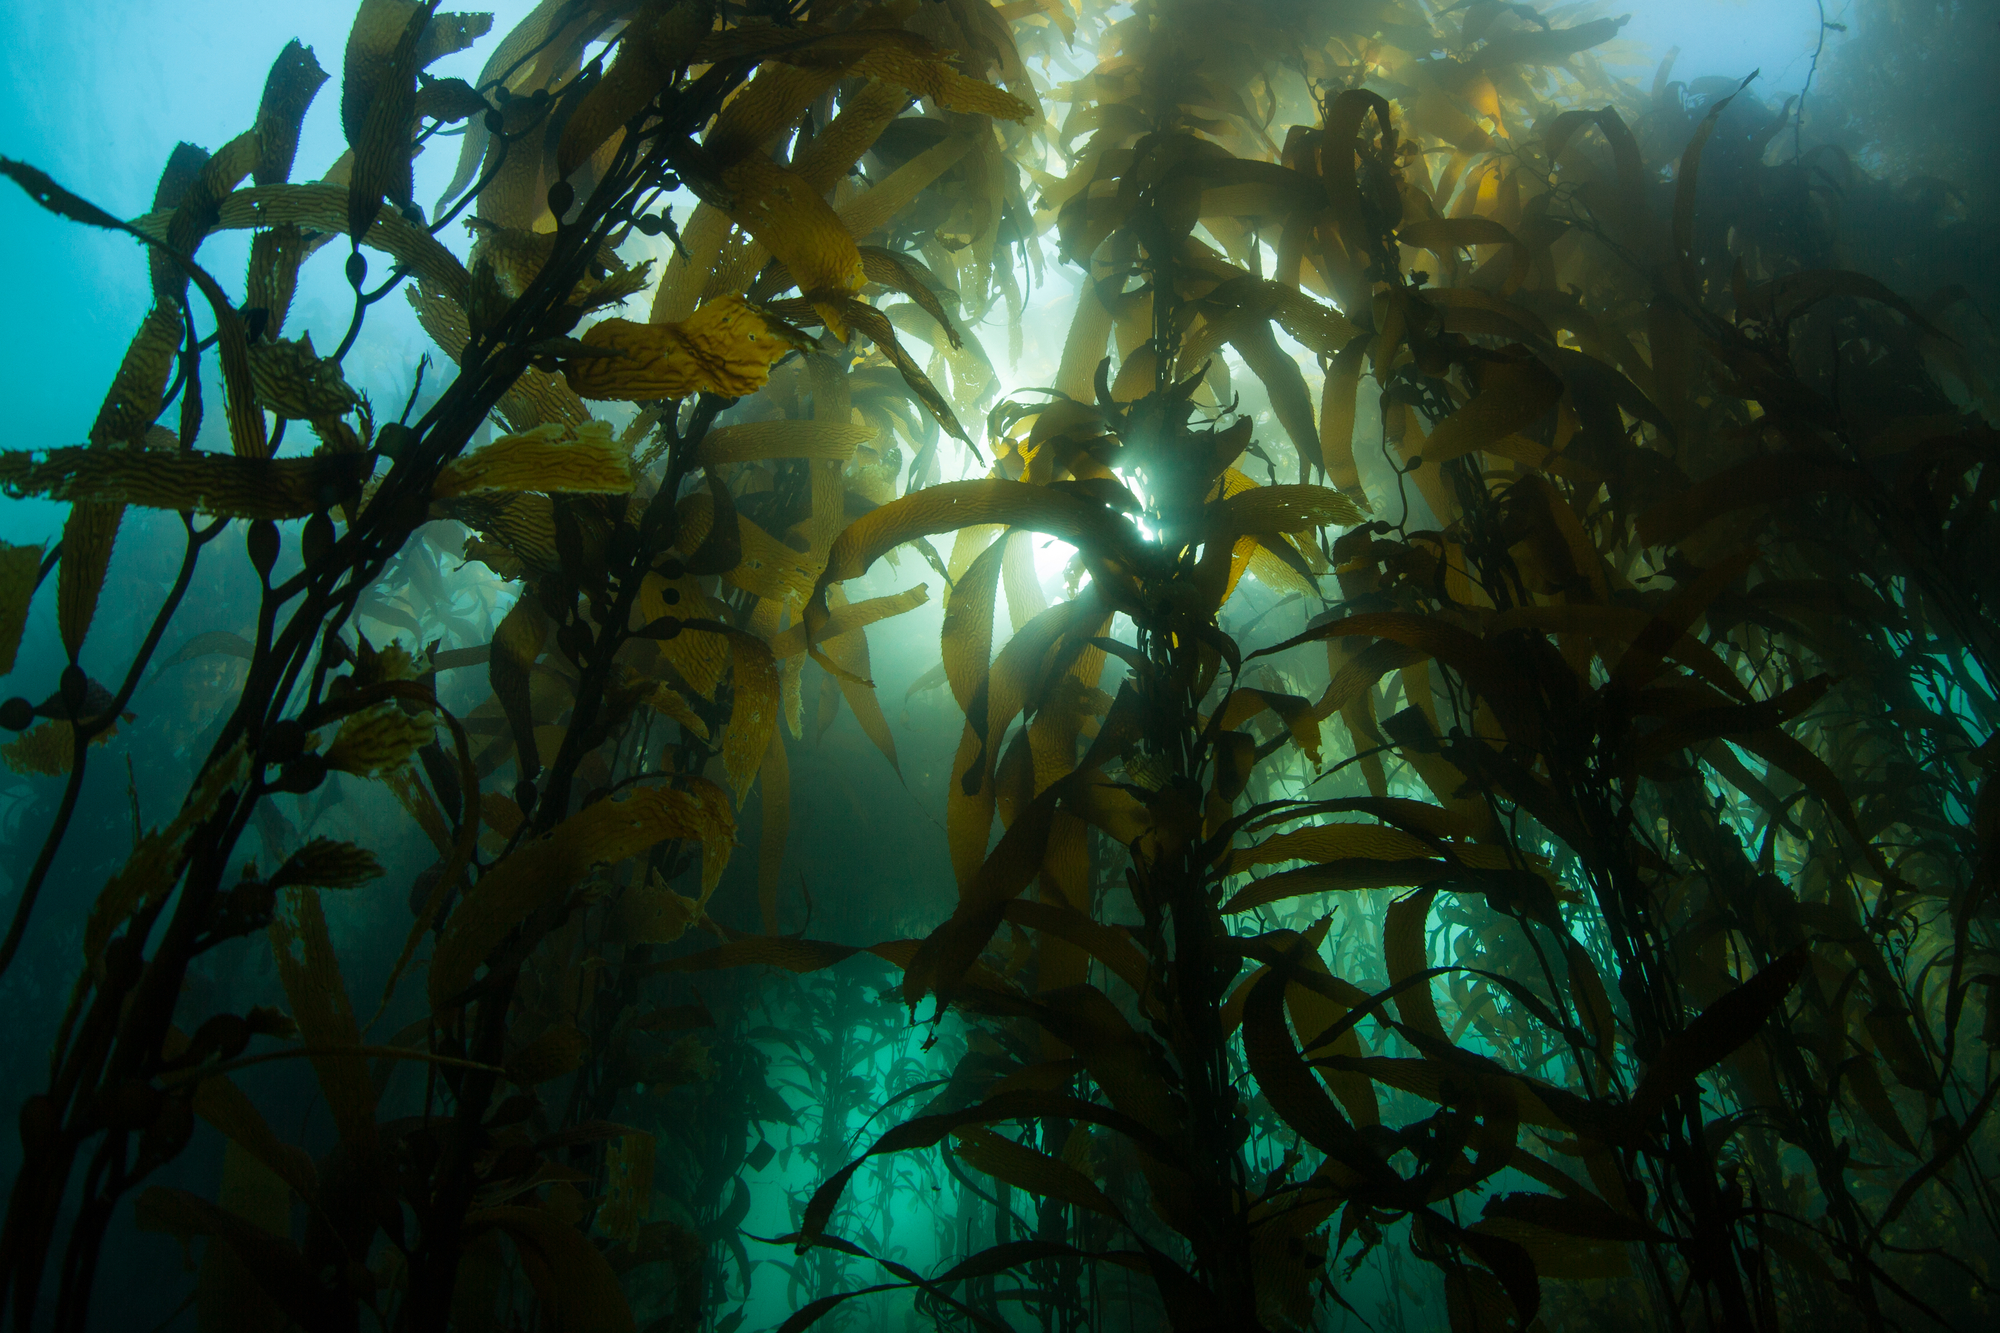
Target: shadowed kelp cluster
{"x":1489,"y":828}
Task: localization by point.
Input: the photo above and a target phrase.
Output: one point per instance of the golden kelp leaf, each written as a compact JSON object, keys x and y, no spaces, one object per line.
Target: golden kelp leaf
{"x":753,"y":716}
{"x":517,"y":642}
{"x":194,"y":214}
{"x":603,"y":833}
{"x":246,"y":424}
{"x":628,"y":1180}
{"x":573,"y":1281}
{"x":655,"y":47}
{"x":326,"y":863}
{"x":961,"y":504}
{"x":1561,"y":1254}
{"x":19,"y":568}
{"x":882,"y":333}
{"x":1273,"y":570}
{"x":323,"y":208}
{"x":206,"y":483}
{"x":556,"y":1052}
{"x":1869,"y":1091}
{"x":933,"y":78}
{"x":1512,"y":395}
{"x":273,"y":280}
{"x":499,"y":813}
{"x":228,"y":1296}
{"x":1331,"y":842}
{"x":294,"y":80}
{"x":668,"y":700}
{"x":419,"y":804}
{"x":219,"y":1101}
{"x":517,"y":257}
{"x":1336,"y":417}
{"x":273,"y":1263}
{"x":966,"y":639}
{"x":533,"y":399}
{"x":1443,"y":237}
{"x":47,"y":748}
{"x":905,"y":274}
{"x":310,"y":972}
{"x":550,"y":459}
{"x":1404,"y":951}
{"x":849,"y":653}
{"x":1281,"y":509}
{"x":776,"y":817}
{"x":295,"y":384}
{"x":89,"y":533}
{"x":875,"y":207}
{"x":726,"y":347}
{"x":1296,"y":713}
{"x":1766,"y":480}
{"x":1318,"y":326}
{"x":790,"y":219}
{"x":378,"y":738}
{"x":154,"y":865}
{"x":1028,"y":1169}
{"x":378,"y":104}
{"x":1593,"y":1004}
{"x":652,"y":913}
{"x":818,"y":440}
{"x":1250,"y":334}
{"x":767,"y":567}
{"x":134,"y":399}
{"x":853,"y":616}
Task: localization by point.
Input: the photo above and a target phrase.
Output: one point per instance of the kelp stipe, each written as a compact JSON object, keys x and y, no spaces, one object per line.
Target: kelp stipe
{"x":1622,"y":953}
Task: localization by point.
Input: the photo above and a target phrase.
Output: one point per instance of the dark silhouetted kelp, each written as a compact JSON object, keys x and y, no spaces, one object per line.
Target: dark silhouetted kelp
{"x":1527,"y":861}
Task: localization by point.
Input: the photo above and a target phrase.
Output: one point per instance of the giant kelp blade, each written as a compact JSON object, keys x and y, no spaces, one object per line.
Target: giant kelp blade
{"x":570,"y":1275}
{"x":224,"y":1105}
{"x":926,"y":1130}
{"x":550,"y":459}
{"x":20,"y":569}
{"x":89,"y":533}
{"x":246,"y":421}
{"x":310,"y":972}
{"x":726,"y":347}
{"x":232,"y":487}
{"x":1027,"y":1169}
{"x":956,"y":505}
{"x":290,"y":87}
{"x":540,"y":871}
{"x":656,"y":46}
{"x":517,"y":642}
{"x":42,"y":188}
{"x":1686,"y":185}
{"x":1295,"y":1094}
{"x":275,"y":1263}
{"x":1721,"y":1028}
{"x":378,"y":104}
{"x":1512,"y":395}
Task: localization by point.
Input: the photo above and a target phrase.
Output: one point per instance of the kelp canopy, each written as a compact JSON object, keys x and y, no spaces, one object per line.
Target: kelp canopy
{"x":1490,"y":828}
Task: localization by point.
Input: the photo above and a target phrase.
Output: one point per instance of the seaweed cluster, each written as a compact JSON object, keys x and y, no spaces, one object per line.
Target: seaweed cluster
{"x":1527,"y":861}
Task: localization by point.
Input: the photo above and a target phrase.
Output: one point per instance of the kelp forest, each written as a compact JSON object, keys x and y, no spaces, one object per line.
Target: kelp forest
{"x":1192,"y":665}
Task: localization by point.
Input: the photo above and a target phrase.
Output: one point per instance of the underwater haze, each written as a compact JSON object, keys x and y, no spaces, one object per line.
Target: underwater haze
{"x":1178,"y":666}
